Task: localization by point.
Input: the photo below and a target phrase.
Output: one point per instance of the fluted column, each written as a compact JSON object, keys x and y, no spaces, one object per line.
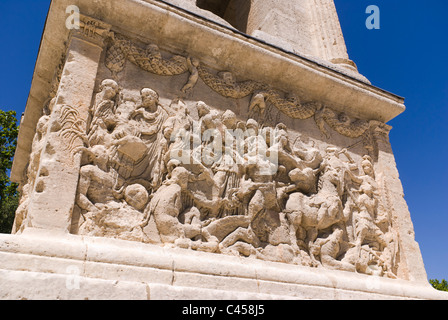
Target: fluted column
{"x":52,"y":199}
{"x":329,"y":40}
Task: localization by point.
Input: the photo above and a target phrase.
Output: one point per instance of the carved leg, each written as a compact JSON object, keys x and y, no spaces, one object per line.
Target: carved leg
{"x":331,"y":263}
{"x":312,"y":234}
{"x":169,"y":227}
{"x":83,"y":186}
{"x":240,"y":234}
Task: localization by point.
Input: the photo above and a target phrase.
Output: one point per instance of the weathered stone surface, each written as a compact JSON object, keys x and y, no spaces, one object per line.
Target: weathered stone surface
{"x":177,"y":155}
{"x":32,"y":266}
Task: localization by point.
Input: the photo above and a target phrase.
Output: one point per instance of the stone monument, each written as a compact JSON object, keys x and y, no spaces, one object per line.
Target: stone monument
{"x":206,"y":149}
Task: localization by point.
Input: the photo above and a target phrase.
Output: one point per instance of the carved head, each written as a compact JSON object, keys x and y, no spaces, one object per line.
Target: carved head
{"x":343,"y":118}
{"x":228,"y":77}
{"x":153,"y":50}
{"x":202,"y":108}
{"x":229,"y":119}
{"x":180,"y":176}
{"x":252,"y":127}
{"x":367,"y":166}
{"x":208,"y":122}
{"x":150,"y":99}
{"x":168,"y":132}
{"x":240,"y":125}
{"x":171,"y":165}
{"x":109,"y":88}
{"x":136,"y":196}
{"x":281,"y":127}
{"x":100,"y":156}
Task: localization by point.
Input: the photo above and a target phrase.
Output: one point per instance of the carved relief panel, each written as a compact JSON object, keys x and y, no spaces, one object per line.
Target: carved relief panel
{"x":178,"y":153}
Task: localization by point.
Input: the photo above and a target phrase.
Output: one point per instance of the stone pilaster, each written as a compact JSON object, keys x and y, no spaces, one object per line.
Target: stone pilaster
{"x":411,"y":266}
{"x":52,"y":199}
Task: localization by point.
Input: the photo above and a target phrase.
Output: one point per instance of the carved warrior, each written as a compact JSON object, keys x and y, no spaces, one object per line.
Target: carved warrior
{"x":224,"y":83}
{"x":223,"y":185}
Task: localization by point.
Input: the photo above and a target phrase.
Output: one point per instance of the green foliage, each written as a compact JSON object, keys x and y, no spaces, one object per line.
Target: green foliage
{"x":8,"y":190}
{"x":442,"y":286}
{"x":7,"y":211}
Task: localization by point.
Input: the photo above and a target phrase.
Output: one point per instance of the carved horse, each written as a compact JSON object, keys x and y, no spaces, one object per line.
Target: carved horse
{"x":322,"y":210}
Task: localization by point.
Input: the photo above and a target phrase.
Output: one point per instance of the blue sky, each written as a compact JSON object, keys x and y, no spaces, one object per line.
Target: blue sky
{"x":406,"y":56}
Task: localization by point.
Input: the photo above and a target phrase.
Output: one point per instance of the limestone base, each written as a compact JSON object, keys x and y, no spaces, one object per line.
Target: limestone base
{"x":43,"y":265}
